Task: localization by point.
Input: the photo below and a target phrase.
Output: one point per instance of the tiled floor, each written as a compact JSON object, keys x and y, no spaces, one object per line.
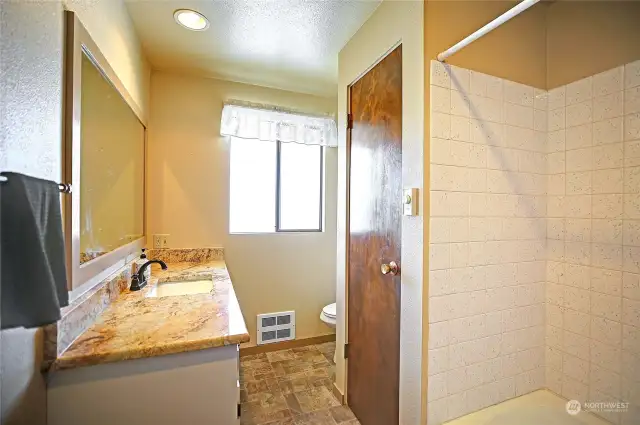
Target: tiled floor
{"x":291,"y":387}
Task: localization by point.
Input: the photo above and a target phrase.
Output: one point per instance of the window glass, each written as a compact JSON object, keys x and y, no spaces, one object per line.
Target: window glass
{"x":252,"y":186}
{"x":254,"y":191}
{"x":300,"y":186}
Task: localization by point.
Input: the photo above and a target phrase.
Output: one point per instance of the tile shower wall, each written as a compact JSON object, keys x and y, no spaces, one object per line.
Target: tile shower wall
{"x":593,"y":269}
{"x":487,"y":241}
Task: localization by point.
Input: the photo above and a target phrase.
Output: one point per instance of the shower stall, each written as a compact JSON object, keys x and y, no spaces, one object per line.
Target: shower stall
{"x":534,"y":269}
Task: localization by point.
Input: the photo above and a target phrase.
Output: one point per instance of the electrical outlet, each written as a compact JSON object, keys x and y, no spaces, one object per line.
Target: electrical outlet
{"x":160,"y":241}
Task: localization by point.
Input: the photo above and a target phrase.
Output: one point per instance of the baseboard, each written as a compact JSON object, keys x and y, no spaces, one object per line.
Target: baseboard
{"x":285,"y":345}
{"x":337,"y":393}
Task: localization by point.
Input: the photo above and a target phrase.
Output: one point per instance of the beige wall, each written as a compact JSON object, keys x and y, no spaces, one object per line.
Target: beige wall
{"x":118,"y":42}
{"x":31,"y":114}
{"x":393,"y":22}
{"x":31,"y":54}
{"x":515,"y":50}
{"x":549,"y":45}
{"x":188,"y":199}
{"x":588,"y":37}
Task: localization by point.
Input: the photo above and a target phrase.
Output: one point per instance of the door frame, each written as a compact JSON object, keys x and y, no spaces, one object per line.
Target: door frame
{"x":391,"y":23}
{"x":348,"y":211}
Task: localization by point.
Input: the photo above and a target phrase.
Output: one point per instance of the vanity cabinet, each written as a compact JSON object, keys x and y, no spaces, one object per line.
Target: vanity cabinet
{"x":195,"y":388}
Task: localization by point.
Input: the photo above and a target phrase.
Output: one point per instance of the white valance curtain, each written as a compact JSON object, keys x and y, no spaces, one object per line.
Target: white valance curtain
{"x":249,"y":122}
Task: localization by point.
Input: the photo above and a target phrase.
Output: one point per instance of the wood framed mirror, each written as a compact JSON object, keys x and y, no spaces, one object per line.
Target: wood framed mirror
{"x":104,"y":155}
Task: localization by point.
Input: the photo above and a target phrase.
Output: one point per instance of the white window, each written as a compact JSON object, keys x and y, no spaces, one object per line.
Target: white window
{"x":275,"y":186}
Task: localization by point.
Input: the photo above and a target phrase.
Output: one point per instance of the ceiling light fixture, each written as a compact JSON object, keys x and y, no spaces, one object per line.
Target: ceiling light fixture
{"x":191,"y":19}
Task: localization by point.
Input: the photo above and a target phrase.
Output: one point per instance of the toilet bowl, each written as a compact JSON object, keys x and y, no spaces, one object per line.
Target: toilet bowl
{"x":328,"y":315}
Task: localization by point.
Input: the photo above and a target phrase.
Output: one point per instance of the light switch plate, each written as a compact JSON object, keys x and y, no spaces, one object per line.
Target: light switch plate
{"x":410,"y":201}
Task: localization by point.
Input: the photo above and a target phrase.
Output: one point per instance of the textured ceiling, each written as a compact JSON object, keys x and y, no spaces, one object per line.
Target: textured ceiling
{"x":286,"y":44}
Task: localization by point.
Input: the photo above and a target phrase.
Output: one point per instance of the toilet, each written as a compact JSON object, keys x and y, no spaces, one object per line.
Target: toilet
{"x":328,"y":315}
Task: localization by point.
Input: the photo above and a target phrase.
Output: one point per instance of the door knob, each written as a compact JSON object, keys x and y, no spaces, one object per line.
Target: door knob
{"x":392,"y":268}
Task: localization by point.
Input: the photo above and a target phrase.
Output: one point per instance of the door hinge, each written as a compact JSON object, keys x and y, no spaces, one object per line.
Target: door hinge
{"x":239,"y":410}
{"x":349,"y":121}
{"x":346,"y":351}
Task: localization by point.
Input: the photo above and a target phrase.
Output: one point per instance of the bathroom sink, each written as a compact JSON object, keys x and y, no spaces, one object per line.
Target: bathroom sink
{"x":185,"y":287}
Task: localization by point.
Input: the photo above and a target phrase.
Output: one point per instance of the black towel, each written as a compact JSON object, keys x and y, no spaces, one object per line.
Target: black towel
{"x":32,"y":259}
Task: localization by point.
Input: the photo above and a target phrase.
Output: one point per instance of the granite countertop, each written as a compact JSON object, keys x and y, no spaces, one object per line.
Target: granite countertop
{"x":136,"y":326}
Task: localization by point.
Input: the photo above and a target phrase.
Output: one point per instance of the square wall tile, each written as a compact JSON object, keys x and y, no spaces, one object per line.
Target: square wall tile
{"x":440,"y":74}
{"x":440,"y":99}
{"x":631,"y":339}
{"x":540,"y":99}
{"x":606,"y":256}
{"x":459,"y":78}
{"x":608,"y":131}
{"x":631,"y":232}
{"x":632,"y":153}
{"x":579,"y":136}
{"x":608,"y":156}
{"x":580,"y":159}
{"x":579,"y":91}
{"x":606,"y":356}
{"x":556,"y":140}
{"x":609,"y":106}
{"x":556,"y":119}
{"x":631,"y":312}
{"x":518,"y":115}
{"x":440,"y":125}
{"x":607,"y":206}
{"x":608,"y":82}
{"x":632,"y":207}
{"x":460,"y":103}
{"x":557,"y":98}
{"x":606,"y":281}
{"x":518,"y":93}
{"x":632,"y":127}
{"x":631,"y":286}
{"x":632,"y":100}
{"x":605,"y":381}
{"x":606,"y":331}
{"x":495,"y":88}
{"x":632,"y":74}
{"x":607,"y":181}
{"x":580,"y":114}
{"x":606,"y":306}
{"x":632,"y":180}
{"x":606,"y":231}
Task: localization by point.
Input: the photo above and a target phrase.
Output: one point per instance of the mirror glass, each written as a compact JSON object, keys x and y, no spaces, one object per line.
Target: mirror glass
{"x":111,"y":167}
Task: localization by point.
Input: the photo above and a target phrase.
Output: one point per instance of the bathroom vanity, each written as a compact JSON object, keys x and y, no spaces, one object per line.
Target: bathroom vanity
{"x":166,"y":354}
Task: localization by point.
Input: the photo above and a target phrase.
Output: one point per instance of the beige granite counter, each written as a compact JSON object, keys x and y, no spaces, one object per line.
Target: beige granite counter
{"x":136,"y":325}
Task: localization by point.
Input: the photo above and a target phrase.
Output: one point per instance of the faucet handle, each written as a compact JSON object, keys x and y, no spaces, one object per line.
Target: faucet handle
{"x":136,"y":284}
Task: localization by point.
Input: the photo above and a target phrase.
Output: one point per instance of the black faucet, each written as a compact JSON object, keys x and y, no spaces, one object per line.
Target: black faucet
{"x":139,"y":280}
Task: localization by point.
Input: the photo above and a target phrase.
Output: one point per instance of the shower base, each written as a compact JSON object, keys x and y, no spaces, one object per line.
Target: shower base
{"x":536,"y":408}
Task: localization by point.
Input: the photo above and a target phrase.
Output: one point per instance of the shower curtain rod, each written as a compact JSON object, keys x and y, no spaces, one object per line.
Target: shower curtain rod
{"x":515,"y":11}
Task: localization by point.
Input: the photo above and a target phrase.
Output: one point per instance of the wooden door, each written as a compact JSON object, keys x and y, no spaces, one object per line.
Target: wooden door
{"x":374,"y":229}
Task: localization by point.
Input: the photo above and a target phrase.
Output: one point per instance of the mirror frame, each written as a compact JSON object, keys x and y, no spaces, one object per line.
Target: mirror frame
{"x":81,"y":277}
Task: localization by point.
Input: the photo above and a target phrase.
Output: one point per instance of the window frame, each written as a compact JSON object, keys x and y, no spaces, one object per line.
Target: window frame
{"x":278,"y":228}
